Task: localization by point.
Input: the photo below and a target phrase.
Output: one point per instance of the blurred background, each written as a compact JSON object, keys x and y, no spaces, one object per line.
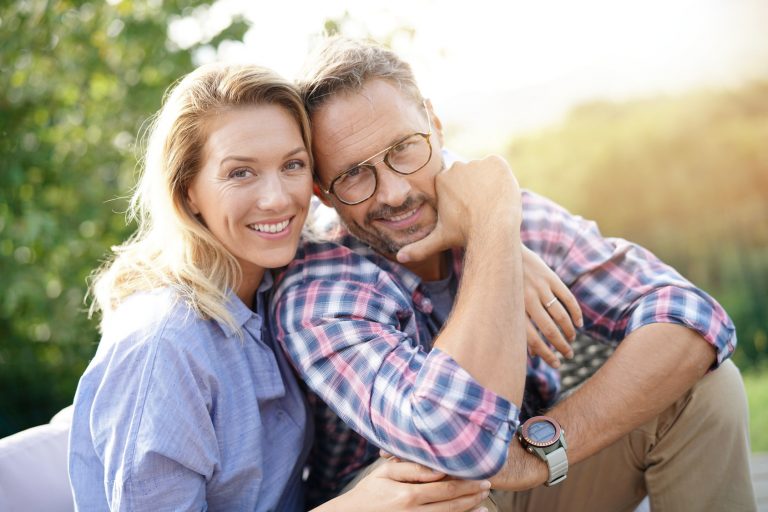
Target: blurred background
{"x":649,"y":117}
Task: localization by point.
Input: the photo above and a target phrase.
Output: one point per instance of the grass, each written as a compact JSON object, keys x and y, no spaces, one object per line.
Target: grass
{"x":757,"y":394}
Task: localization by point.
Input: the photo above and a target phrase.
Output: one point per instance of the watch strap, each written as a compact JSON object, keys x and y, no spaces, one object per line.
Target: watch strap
{"x":557,"y":461}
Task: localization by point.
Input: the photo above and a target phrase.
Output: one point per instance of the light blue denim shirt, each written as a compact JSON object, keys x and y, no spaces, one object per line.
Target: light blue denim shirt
{"x":178,"y":413}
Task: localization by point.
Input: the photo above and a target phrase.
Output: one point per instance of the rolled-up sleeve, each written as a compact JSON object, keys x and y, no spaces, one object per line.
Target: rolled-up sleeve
{"x":620,"y":285}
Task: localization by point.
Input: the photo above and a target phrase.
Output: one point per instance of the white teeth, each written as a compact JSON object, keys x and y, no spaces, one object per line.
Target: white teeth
{"x":403,"y":216}
{"x":270,"y":228}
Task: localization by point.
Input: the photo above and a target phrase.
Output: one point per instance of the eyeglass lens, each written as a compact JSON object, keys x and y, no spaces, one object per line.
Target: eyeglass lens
{"x":405,"y":157}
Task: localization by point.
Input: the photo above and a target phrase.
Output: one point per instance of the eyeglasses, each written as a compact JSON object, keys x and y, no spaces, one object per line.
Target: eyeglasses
{"x":406,"y":156}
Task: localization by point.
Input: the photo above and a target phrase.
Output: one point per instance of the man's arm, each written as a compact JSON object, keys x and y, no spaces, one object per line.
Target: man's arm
{"x":630,"y":389}
{"x":350,"y":331}
{"x":485,"y":332}
{"x":674,"y":333}
{"x":650,"y":369}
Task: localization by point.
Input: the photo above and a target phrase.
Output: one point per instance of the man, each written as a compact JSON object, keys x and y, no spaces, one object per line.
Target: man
{"x":665,"y":416}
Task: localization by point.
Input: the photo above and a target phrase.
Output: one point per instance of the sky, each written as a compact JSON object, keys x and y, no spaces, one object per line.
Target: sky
{"x":499,"y":69}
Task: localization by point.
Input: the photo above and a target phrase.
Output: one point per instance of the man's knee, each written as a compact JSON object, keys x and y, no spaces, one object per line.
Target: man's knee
{"x":720,"y":399}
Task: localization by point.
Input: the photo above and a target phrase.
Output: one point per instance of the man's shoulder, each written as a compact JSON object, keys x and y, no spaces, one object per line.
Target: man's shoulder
{"x":533,"y":200}
{"x":342,"y":261}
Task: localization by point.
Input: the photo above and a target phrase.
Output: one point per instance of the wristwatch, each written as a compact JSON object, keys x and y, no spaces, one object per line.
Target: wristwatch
{"x":543,"y":436}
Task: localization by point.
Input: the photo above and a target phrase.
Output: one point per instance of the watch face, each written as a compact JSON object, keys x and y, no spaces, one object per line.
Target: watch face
{"x":541,"y":431}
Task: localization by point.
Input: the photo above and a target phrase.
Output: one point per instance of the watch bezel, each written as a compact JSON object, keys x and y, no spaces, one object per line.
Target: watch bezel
{"x":540,"y":444}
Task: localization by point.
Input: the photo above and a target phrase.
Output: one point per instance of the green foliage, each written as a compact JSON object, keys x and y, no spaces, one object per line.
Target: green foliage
{"x":77,"y":80}
{"x":685,"y":176}
{"x":757,"y":395}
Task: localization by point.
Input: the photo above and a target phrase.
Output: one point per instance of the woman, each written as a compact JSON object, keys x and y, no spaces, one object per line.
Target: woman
{"x":187,"y":404}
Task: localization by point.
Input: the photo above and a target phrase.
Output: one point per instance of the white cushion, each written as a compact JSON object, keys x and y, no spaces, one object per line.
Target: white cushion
{"x":33,"y":468}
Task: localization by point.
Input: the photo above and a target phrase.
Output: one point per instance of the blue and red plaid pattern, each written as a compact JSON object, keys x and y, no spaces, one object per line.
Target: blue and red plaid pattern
{"x":359,"y":328}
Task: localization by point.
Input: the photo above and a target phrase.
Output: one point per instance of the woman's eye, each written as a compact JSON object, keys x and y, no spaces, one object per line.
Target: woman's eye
{"x":240,"y":173}
{"x":295,"y":165}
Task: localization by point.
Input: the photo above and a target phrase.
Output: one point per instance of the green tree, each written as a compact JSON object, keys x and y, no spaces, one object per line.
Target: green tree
{"x":685,"y":176}
{"x":77,"y":80}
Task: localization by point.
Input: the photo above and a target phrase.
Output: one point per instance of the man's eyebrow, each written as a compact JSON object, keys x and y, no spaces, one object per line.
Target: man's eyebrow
{"x":238,"y":158}
{"x":391,"y":143}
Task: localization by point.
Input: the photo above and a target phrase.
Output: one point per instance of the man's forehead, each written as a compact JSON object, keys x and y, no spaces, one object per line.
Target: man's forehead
{"x":342,"y":117}
{"x":374,"y":114}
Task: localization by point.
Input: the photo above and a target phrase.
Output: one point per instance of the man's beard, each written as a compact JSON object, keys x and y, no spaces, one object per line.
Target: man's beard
{"x":379,"y":240}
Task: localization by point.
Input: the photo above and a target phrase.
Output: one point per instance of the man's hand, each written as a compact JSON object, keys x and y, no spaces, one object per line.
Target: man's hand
{"x":551,"y":308}
{"x":472,"y":198}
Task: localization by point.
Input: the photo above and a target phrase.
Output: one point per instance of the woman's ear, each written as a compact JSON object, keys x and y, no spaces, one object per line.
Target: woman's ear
{"x":192,"y":203}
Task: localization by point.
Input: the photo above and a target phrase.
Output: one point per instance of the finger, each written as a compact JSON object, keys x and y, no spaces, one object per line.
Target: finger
{"x":549,"y":331}
{"x":449,"y":489}
{"x":568,"y":300}
{"x":537,"y":347}
{"x":385,"y":454}
{"x":408,"y":472}
{"x":458,"y":504}
{"x":433,"y":243}
{"x":562,"y":320}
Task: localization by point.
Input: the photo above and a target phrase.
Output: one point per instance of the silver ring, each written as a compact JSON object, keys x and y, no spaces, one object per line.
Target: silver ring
{"x":549,"y":304}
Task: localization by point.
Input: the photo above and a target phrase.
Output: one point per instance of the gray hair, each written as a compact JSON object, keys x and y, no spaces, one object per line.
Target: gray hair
{"x":341,"y":65}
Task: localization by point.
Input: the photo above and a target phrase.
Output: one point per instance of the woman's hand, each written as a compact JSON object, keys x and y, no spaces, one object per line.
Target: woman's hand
{"x":551,"y":307}
{"x":407,"y":486}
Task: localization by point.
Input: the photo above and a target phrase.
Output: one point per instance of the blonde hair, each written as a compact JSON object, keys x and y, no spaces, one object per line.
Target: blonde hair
{"x":341,"y":65}
{"x":171,"y":247}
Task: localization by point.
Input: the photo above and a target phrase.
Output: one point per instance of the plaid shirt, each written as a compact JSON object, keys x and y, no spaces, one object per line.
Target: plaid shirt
{"x":359,"y":328}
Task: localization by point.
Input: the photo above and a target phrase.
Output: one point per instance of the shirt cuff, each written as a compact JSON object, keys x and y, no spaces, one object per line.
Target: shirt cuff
{"x":691,"y":308}
{"x":444,"y":382}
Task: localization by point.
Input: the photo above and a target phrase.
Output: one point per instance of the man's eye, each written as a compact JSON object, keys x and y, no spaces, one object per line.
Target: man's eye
{"x":403,"y":146}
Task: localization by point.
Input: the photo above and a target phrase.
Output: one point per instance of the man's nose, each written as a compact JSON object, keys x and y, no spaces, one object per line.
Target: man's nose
{"x":393,"y":188}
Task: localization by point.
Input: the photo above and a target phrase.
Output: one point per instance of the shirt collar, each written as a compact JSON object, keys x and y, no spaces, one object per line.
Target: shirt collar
{"x":241,"y":313}
{"x":410,"y":281}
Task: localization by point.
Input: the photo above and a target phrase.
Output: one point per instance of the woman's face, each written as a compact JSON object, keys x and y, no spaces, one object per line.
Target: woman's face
{"x":254,"y":186}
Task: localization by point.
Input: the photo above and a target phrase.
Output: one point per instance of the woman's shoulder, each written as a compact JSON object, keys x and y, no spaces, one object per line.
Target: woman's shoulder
{"x":157,"y":317}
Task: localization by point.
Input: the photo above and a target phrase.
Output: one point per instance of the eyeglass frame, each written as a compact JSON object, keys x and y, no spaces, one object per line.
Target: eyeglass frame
{"x":368,"y":163}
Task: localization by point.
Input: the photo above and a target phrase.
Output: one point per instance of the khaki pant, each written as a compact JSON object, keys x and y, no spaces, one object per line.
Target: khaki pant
{"x":693,"y":457}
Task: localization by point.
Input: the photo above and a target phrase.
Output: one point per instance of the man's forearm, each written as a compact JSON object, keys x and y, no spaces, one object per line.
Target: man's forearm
{"x":485,"y":333}
{"x":651,"y":369}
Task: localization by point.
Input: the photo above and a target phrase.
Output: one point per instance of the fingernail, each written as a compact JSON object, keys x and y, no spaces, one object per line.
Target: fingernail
{"x":556,"y":363}
{"x":569,"y":355}
{"x":485,"y":484}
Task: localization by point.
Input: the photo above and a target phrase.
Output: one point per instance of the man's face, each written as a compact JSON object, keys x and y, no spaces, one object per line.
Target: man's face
{"x":351,"y":128}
